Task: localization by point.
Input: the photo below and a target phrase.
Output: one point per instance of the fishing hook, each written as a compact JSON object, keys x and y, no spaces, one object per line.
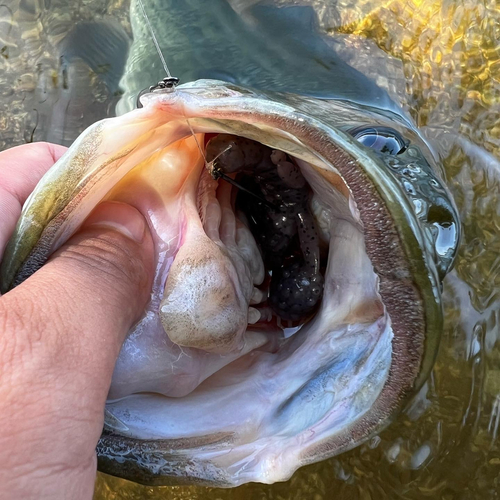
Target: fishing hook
{"x":217,"y":173}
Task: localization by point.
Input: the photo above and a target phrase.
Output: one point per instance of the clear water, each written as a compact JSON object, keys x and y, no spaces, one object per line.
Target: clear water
{"x":443,"y":67}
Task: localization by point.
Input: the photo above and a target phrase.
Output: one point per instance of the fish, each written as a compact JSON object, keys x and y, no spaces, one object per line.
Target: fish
{"x":263,"y":46}
{"x":246,"y":392}
{"x":283,"y":388}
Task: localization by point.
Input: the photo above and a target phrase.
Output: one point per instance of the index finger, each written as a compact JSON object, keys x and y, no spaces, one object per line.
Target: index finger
{"x":20,"y":170}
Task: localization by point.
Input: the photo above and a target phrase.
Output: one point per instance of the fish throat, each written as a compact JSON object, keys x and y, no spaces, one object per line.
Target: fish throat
{"x":276,"y":205}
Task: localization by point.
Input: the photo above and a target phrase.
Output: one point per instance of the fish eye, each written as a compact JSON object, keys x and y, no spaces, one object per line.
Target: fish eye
{"x":381,"y":139}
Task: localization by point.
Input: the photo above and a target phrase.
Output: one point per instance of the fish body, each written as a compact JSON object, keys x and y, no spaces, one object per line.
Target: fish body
{"x":266,"y":47}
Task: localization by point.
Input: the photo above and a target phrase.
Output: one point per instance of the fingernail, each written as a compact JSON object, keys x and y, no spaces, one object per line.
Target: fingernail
{"x":120,"y":217}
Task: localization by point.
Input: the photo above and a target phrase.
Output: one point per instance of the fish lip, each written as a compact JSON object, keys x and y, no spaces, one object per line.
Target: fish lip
{"x":360,"y":171}
{"x":193,"y":91}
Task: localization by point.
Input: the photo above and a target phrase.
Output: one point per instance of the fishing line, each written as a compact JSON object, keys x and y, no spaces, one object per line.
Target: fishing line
{"x":199,"y":146}
{"x":169,"y":82}
{"x":217,"y":173}
{"x":155,"y":41}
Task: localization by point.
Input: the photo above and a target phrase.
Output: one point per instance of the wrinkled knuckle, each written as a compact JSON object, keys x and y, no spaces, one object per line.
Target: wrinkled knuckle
{"x":113,"y":258}
{"x":16,"y":314}
{"x":125,"y":262}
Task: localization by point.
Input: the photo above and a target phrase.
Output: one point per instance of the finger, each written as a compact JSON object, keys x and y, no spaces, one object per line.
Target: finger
{"x":20,"y":170}
{"x":64,"y":326}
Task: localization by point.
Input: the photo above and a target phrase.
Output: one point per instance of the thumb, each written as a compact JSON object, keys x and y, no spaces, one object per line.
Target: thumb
{"x":104,"y":272}
{"x":73,"y":314}
{"x":60,"y":334}
{"x":95,"y":287}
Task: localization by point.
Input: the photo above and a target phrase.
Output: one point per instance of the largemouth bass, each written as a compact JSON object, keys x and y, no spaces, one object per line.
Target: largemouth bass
{"x":228,"y":378}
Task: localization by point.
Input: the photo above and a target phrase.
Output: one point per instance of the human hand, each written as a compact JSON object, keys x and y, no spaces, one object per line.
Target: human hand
{"x":60,"y":334}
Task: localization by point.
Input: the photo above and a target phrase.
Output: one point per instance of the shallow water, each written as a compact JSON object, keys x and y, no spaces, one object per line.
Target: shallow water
{"x":441,"y":62}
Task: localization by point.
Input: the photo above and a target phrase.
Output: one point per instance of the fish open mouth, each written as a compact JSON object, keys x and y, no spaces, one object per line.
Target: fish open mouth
{"x":294,"y":306}
{"x":271,"y":308}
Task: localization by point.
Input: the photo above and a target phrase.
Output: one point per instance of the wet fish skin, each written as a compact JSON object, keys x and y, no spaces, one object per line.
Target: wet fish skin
{"x":211,"y":39}
{"x":265,"y":47}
